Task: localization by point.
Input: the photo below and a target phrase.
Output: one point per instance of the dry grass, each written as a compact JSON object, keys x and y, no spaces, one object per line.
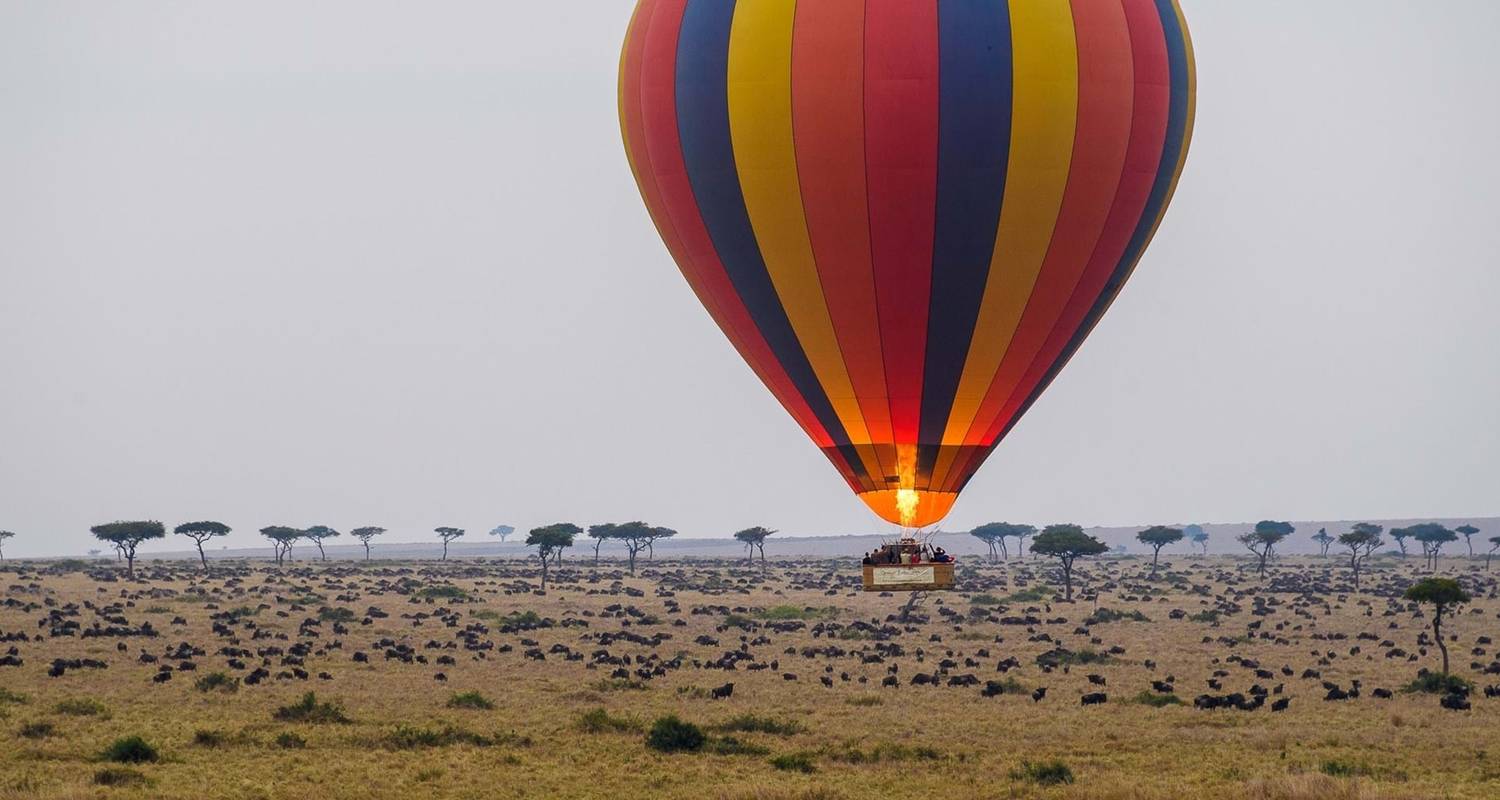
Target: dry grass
{"x":404,"y":740}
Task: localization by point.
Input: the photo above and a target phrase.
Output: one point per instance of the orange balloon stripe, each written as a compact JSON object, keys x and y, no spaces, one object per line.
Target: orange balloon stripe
{"x":1143,"y":160}
{"x":828,"y":131}
{"x":1104,"y":117}
{"x":652,"y":131}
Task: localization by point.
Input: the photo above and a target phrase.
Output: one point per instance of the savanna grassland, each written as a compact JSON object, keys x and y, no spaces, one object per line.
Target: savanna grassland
{"x":457,"y":679}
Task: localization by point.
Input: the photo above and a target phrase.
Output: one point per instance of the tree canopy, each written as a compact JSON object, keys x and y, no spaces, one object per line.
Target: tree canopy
{"x":1066,"y":542}
{"x":128,"y":535}
{"x":755,"y":539}
{"x":365,"y":534}
{"x":282,"y":538}
{"x":549,"y":540}
{"x":201,"y":532}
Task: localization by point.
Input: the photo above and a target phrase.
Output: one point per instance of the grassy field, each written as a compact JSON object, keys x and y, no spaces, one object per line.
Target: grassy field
{"x":503,"y":724}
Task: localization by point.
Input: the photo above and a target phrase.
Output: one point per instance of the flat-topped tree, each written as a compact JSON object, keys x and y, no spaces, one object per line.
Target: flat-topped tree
{"x":447,"y":535}
{"x":1021,"y":532}
{"x":601,"y":533}
{"x":364,"y":535}
{"x":657,"y":533}
{"x":1467,"y":531}
{"x":1362,"y":540}
{"x":1158,"y":536}
{"x":201,"y":532}
{"x":127,"y":536}
{"x":1324,"y":540}
{"x":1401,"y":535}
{"x":635,"y":535}
{"x":282,"y":538}
{"x":502,"y":531}
{"x":986,"y":533}
{"x":1263,"y":540}
{"x":3,"y":536}
{"x":1443,"y":594}
{"x":1494,"y":545}
{"x":549,"y":541}
{"x":1197,"y":536}
{"x":1065,"y":543}
{"x":317,"y":534}
{"x":1432,"y":537}
{"x":754,"y":539}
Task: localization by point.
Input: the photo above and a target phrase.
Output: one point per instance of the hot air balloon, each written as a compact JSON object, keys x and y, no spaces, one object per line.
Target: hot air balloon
{"x":906,"y":215}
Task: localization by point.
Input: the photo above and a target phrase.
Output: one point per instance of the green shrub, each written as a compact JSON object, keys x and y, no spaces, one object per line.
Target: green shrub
{"x":1204,"y":616}
{"x":335,"y":614}
{"x":119,"y":776}
{"x":886,"y":752}
{"x":210,"y":738}
{"x":308,"y":709}
{"x":730,"y":746}
{"x":410,"y":737}
{"x":82,"y":707}
{"x":985,"y":600}
{"x":290,"y":741}
{"x":472,"y":700}
{"x":671,"y":735}
{"x":619,"y":685}
{"x":1035,"y":594}
{"x":221,"y":681}
{"x":1344,"y":769}
{"x":1046,"y":773}
{"x":130,"y":750}
{"x":794,"y":762}
{"x":156,"y":610}
{"x":1439,"y":683}
{"x":442,"y":592}
{"x":40,"y":729}
{"x":7,"y":696}
{"x":739,"y":621}
{"x":749,"y":723}
{"x":1148,"y":698}
{"x":598,"y":720}
{"x":1103,"y":615}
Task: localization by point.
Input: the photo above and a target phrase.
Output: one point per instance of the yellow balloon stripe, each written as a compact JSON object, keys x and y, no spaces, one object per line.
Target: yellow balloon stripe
{"x":1044,"y":113}
{"x":760,"y":124}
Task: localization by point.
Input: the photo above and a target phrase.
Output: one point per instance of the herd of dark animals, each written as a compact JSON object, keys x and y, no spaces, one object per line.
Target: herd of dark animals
{"x":1282,"y":611}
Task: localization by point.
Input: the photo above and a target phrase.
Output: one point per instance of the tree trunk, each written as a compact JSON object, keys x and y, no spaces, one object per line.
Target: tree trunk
{"x":1155,"y":555}
{"x":633,"y":549}
{"x":597,"y":542}
{"x":445,"y":549}
{"x":1437,"y":633}
{"x":1354,"y":565}
{"x":1067,"y":566}
{"x":367,"y":551}
{"x":322,"y":556}
{"x":202,"y":557}
{"x":543,"y":554}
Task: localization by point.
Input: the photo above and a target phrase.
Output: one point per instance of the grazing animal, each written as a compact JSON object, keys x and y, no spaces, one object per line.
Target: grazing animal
{"x":1094,"y":699}
{"x":1455,"y":702}
{"x":1036,"y":696}
{"x":1097,"y":680}
{"x":722,"y":692}
{"x":1280,"y":705}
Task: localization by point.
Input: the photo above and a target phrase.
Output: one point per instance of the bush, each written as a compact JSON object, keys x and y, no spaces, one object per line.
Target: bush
{"x":1147,"y":698}
{"x":985,"y":600}
{"x":82,"y":707}
{"x":119,"y":776}
{"x":36,"y":730}
{"x":749,"y":723}
{"x":1035,"y":594}
{"x":730,"y":746}
{"x":290,"y":741}
{"x":1103,"y":615}
{"x":334,"y":614}
{"x":442,"y":592}
{"x":308,"y":709}
{"x":619,"y":685}
{"x":130,"y":750}
{"x":671,"y":735}
{"x":210,"y":738}
{"x":1343,"y":769}
{"x":472,"y":700}
{"x":599,"y":720}
{"x":7,"y":696}
{"x":410,"y":737}
{"x":1439,"y":683}
{"x":886,"y":752}
{"x":221,"y":681}
{"x":794,"y":762}
{"x":1046,"y":773}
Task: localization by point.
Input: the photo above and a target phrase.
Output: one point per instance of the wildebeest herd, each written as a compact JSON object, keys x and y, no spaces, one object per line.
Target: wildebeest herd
{"x":461,"y":678}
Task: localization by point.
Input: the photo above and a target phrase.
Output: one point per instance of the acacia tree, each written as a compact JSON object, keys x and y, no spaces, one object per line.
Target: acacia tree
{"x":127,"y":536}
{"x":1494,"y":545}
{"x":1197,"y":536}
{"x":1323,"y":540}
{"x":656,"y":533}
{"x":1158,"y":536}
{"x":1263,"y":540}
{"x":549,"y":540}
{"x":1443,"y":594}
{"x":634,"y":535}
{"x":503,"y":531}
{"x":282,"y":538}
{"x":1401,"y":535}
{"x":364,"y":535}
{"x":201,"y":532}
{"x":1066,"y":543}
{"x":754,"y":539}
{"x":1432,"y":537}
{"x":3,"y":536}
{"x":989,"y":533}
{"x":1362,"y":540}
{"x":447,"y":535}
{"x":317,"y":534}
{"x":1467,"y":531}
{"x":1021,"y":532}
{"x":600,"y":533}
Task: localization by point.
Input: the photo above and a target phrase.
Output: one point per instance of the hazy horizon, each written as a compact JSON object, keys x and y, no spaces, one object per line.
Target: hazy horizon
{"x":263,"y":265}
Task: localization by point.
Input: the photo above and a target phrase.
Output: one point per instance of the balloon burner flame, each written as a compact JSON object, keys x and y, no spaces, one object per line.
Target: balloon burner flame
{"x":906,"y":505}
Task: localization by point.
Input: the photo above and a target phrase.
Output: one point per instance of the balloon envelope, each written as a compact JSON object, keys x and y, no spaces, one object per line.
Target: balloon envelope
{"x":906,"y":215}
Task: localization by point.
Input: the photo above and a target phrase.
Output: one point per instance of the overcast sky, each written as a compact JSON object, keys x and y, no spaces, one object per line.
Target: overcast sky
{"x":354,"y":263}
